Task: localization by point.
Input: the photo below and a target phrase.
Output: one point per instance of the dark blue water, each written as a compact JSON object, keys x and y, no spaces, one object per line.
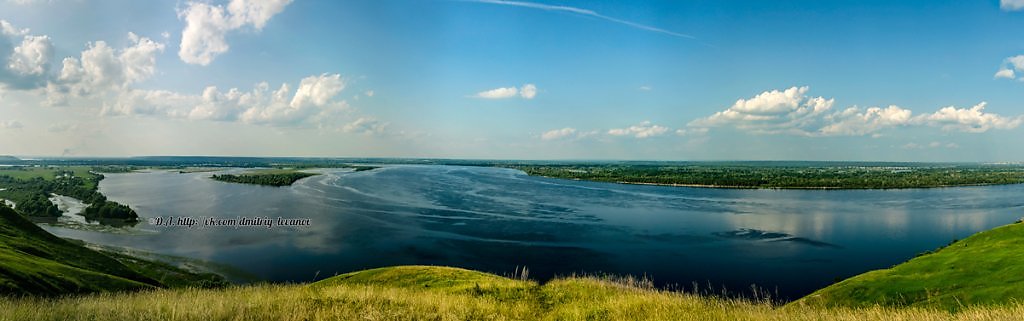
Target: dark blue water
{"x":490,"y":219}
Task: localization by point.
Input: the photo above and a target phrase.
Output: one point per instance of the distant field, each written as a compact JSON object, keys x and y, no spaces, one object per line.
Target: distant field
{"x":438,"y":293}
{"x":48,"y":173}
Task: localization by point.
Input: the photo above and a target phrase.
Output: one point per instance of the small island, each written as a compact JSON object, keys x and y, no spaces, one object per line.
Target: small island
{"x":280,"y":177}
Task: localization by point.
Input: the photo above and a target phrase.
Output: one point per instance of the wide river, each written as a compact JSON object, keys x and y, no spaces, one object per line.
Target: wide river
{"x":787,"y":241}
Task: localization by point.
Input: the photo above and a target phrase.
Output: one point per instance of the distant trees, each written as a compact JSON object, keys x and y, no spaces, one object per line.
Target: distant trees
{"x":844,"y":177}
{"x":32,"y":196}
{"x":269,"y":179}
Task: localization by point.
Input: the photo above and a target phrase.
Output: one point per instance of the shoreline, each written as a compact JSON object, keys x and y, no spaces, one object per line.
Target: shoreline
{"x":824,"y":188}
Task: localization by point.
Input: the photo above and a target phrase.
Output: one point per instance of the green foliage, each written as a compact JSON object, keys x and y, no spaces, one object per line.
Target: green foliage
{"x":986,"y":268}
{"x":36,"y":262}
{"x":269,"y":178}
{"x":751,"y":176}
{"x":30,"y":187}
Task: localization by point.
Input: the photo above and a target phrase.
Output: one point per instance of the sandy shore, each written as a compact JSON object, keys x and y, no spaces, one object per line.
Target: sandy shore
{"x":71,"y":208}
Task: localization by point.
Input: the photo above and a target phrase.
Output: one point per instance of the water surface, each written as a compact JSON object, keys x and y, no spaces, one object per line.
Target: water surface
{"x":492,"y":219}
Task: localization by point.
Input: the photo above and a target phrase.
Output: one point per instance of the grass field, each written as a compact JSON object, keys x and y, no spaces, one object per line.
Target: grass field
{"x":986,"y":268}
{"x":48,"y":173}
{"x":439,"y":293}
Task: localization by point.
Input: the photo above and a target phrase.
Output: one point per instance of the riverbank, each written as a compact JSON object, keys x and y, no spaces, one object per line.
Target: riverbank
{"x":767,"y":176}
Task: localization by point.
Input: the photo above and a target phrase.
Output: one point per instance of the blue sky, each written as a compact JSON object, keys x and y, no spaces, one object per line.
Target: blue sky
{"x":659,"y":80}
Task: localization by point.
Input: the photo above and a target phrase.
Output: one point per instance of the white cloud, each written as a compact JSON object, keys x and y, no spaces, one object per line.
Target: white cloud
{"x":1005,"y":73}
{"x":206,"y":26}
{"x":313,"y":102}
{"x":1011,"y":5}
{"x":645,"y":88}
{"x":365,"y":126}
{"x":643,"y":130}
{"x":10,"y":124}
{"x":1010,"y":67}
{"x":32,"y":56}
{"x":498,"y":93}
{"x":24,"y":58}
{"x":101,"y":69}
{"x":973,"y":120}
{"x":527,"y":91}
{"x":791,"y":111}
{"x":317,"y":91}
{"x":692,"y":131}
{"x":558,"y":133}
{"x":932,"y":145}
{"x":773,"y":111}
{"x":855,"y":121}
{"x":369,"y":93}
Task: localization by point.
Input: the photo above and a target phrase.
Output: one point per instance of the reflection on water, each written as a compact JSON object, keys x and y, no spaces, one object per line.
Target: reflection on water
{"x":497,"y":219}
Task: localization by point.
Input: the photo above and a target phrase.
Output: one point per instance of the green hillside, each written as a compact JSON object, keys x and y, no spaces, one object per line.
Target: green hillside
{"x":36,"y":262}
{"x":986,"y":268}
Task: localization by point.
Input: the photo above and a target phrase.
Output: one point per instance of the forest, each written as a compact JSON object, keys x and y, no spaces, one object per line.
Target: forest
{"x":783,"y":176}
{"x":30,"y":188}
{"x":276,"y":178}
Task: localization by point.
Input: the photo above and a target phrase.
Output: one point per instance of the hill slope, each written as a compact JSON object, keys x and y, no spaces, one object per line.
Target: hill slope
{"x":440,"y":293}
{"x":986,"y":268}
{"x":33,"y":261}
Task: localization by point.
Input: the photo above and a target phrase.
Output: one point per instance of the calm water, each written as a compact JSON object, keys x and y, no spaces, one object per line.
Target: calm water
{"x":497,"y":219}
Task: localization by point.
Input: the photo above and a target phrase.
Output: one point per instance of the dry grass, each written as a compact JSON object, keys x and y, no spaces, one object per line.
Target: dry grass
{"x":488,"y":298}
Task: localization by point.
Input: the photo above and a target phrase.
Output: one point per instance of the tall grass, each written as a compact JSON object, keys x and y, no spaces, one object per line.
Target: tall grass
{"x":472,"y":297}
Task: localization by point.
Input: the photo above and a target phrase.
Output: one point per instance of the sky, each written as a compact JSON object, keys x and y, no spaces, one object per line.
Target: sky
{"x":929,"y":81}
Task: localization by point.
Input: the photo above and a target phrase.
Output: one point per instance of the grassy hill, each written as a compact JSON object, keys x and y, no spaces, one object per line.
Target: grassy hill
{"x":442,"y":293}
{"x":35,"y":262}
{"x":986,"y":268}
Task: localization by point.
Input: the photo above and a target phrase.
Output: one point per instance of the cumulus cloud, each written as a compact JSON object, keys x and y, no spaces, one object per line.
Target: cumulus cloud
{"x":775,"y":111}
{"x":314,"y":101}
{"x":10,"y":124}
{"x":1011,"y":5}
{"x":1010,"y":67}
{"x":528,"y":91}
{"x":365,"y":126}
{"x":207,"y":25}
{"x":101,"y":69}
{"x":643,"y":130}
{"x":855,"y":121}
{"x":791,"y":111}
{"x":972,"y":120}
{"x":558,"y":133}
{"x":25,"y":57}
